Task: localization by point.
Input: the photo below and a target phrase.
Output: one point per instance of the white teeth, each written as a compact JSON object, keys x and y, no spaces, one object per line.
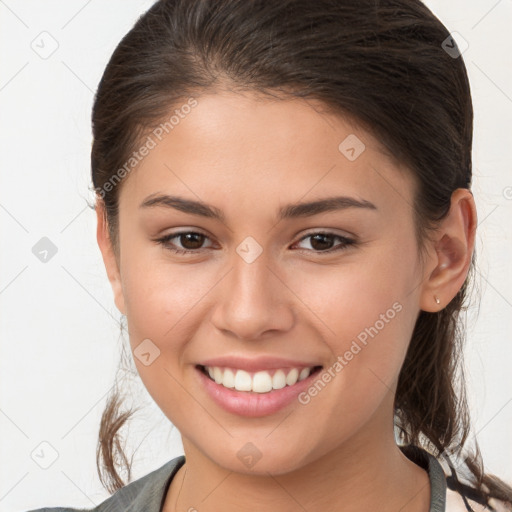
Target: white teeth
{"x":243,"y":381}
{"x":292,"y":377}
{"x":217,"y":375}
{"x":279,"y":380}
{"x":228,"y":378}
{"x":259,"y":382}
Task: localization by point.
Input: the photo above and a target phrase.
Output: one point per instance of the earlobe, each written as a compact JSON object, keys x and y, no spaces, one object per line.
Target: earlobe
{"x":109,"y":257}
{"x":452,"y":252}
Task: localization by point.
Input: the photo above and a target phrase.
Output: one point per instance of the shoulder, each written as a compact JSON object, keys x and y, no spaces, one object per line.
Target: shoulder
{"x":146,"y":493}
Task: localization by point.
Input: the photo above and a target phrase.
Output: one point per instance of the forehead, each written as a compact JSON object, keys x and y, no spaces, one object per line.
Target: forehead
{"x":243,"y":149}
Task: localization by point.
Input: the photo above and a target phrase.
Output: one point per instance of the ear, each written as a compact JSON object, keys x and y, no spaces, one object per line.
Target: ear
{"x":109,"y":258}
{"x":451,"y":252}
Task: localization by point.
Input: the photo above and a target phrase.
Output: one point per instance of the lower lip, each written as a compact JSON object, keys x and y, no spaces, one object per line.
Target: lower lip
{"x":250,"y":404}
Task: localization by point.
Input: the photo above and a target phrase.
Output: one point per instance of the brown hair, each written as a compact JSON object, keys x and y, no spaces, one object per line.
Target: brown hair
{"x":380,"y":63}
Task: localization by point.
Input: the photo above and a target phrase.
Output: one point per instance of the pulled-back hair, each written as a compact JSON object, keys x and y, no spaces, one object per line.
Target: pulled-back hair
{"x":380,"y":63}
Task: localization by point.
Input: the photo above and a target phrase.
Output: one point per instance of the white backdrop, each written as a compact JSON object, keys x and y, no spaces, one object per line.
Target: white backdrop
{"x":60,"y":338}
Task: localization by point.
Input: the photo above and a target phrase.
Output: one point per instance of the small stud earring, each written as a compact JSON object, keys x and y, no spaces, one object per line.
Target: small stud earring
{"x":437,"y":299}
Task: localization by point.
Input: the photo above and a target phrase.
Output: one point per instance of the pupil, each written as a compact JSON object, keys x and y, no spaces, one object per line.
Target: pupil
{"x":321,"y":236}
{"x":189,"y":237}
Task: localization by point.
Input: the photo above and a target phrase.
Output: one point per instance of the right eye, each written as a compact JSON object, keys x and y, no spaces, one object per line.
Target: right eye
{"x":192,"y":241}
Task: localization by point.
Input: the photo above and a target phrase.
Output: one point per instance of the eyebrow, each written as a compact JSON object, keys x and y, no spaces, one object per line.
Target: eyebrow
{"x":295,"y":210}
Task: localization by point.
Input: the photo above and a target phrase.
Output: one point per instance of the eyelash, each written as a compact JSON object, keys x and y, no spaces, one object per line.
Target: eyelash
{"x":346,"y":242}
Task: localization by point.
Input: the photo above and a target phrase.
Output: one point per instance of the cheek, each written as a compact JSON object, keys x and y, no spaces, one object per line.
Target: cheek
{"x":160,"y":295}
{"x":353,"y":294}
{"x":164,"y":307}
{"x":365,"y":310}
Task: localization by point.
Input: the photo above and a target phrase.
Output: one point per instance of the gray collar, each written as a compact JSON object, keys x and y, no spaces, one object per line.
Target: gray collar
{"x":144,"y":494}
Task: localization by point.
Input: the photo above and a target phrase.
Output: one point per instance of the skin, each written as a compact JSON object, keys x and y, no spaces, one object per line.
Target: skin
{"x":248,"y":156}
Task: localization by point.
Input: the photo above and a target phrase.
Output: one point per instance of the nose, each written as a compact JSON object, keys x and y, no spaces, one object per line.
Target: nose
{"x":253,"y":300}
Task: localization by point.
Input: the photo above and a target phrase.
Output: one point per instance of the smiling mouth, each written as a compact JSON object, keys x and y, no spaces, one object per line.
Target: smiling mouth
{"x":257,"y":382}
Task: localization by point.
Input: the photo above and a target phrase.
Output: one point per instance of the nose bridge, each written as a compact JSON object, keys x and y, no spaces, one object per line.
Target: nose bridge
{"x":252,"y":282}
{"x":251,"y":275}
{"x":252,"y":298}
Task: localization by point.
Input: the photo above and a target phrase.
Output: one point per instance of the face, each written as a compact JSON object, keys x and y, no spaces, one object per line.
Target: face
{"x":332,"y":287}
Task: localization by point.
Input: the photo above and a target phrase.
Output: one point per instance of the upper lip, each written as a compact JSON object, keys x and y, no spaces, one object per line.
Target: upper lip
{"x":255,"y":364}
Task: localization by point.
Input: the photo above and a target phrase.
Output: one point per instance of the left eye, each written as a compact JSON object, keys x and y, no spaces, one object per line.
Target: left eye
{"x":323,"y":239}
{"x":192,"y":242}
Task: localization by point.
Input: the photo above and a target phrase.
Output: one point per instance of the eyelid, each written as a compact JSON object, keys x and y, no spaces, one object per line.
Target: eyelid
{"x":330,"y":231}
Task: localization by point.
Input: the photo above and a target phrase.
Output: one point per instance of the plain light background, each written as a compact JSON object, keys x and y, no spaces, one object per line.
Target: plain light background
{"x":60,"y":336}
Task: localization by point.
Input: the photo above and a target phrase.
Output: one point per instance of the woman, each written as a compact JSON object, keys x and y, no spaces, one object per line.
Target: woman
{"x":285,"y":217}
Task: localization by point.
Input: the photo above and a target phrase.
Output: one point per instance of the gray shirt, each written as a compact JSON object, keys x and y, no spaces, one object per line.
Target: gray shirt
{"x":147,"y":494}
